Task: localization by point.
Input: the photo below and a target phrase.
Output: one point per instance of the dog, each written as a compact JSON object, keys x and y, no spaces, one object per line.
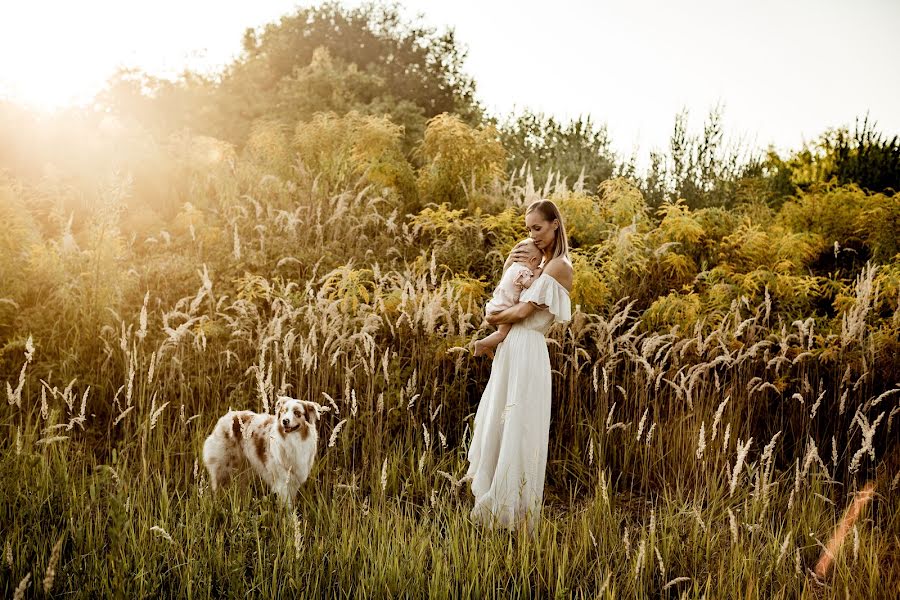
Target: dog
{"x":281,"y":448}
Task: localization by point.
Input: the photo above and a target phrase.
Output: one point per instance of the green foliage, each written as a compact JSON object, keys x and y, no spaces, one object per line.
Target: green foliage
{"x":324,"y":58}
{"x":268,"y":145}
{"x":19,"y":232}
{"x":622,"y":204}
{"x":679,"y":225}
{"x":165,"y":106}
{"x":163,"y":279}
{"x":865,"y":158}
{"x":472,"y":293}
{"x":702,"y":169}
{"x":861,"y":223}
{"x":578,"y":151}
{"x":457,"y":160}
{"x":454,"y":238}
{"x":673,"y":309}
{"x":584,"y":222}
{"x":589,"y":291}
{"x":880,"y":224}
{"x":504,"y":229}
{"x":324,"y":85}
{"x":348,"y":286}
{"x":416,"y":62}
{"x":591,"y":219}
{"x":342,"y":150}
{"x":264,"y":274}
{"x":776,"y":249}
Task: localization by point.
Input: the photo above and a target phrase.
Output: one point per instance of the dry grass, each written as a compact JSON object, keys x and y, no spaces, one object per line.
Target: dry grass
{"x":694,"y":453}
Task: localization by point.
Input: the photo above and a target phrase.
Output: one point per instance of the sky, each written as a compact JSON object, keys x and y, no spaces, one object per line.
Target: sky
{"x":783,"y":71}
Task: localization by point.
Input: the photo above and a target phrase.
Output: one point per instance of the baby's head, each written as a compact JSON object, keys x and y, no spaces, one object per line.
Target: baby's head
{"x":534,"y":254}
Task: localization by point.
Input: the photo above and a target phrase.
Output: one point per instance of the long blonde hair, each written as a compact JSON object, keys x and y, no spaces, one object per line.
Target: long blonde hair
{"x":551,"y":213}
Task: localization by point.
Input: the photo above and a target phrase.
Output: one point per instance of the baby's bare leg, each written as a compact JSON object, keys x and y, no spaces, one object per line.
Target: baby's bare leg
{"x":487,"y":345}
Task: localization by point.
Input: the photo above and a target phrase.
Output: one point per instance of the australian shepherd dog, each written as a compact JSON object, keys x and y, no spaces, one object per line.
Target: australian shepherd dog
{"x":280,"y":447}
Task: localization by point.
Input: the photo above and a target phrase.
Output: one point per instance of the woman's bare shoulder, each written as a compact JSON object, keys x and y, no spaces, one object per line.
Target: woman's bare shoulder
{"x":561,"y":270}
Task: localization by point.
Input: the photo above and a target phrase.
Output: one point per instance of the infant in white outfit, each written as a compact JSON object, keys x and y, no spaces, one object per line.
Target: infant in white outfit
{"x":517,"y":277}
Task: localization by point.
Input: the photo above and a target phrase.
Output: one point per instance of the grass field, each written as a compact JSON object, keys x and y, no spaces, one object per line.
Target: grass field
{"x":703,"y":444}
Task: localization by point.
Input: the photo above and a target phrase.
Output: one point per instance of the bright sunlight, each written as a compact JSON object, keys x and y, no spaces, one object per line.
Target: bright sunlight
{"x":341,"y":300}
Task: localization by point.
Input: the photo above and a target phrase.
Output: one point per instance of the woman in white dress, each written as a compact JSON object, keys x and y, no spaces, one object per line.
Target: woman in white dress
{"x":508,"y":453}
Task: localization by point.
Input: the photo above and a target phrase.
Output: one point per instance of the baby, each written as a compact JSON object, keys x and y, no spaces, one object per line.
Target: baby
{"x":517,"y":277}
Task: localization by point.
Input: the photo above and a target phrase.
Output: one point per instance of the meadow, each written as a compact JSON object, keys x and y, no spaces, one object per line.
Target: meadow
{"x":703,"y":443}
{"x":725,"y":390}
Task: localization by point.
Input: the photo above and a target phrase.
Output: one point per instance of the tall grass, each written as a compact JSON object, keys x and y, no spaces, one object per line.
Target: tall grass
{"x":691,"y":456}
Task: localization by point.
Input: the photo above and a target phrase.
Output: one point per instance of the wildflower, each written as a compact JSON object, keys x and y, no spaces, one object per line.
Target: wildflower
{"x":639,"y":561}
{"x":784,"y":546}
{"x":154,"y":415}
{"x":142,"y":331}
{"x":659,"y":560}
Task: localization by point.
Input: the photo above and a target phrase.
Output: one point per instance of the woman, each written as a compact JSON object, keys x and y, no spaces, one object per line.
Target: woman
{"x":508,"y":453}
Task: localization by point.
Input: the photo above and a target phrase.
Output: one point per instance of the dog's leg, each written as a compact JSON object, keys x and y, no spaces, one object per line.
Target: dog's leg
{"x":221,"y":465}
{"x":284,"y":493}
{"x":219,"y":475}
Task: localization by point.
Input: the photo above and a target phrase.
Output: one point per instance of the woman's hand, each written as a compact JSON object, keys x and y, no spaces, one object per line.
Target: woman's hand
{"x":518,"y":254}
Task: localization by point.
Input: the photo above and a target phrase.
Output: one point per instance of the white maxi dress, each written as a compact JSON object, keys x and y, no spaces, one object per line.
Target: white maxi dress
{"x":508,"y":453}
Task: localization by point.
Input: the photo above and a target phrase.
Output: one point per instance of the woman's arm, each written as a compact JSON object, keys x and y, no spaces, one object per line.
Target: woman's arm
{"x":513,"y":314}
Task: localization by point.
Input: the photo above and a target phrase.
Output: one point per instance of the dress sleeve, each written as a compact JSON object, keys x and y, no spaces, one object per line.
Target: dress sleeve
{"x":546,"y":291}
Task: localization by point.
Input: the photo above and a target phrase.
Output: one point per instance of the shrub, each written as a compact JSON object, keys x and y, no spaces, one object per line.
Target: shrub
{"x":585,"y":223}
{"x":589,"y":291}
{"x":457,"y":159}
{"x":343,"y":150}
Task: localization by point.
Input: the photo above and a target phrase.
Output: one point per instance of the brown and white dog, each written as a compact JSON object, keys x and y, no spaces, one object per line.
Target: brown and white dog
{"x":280,"y":447}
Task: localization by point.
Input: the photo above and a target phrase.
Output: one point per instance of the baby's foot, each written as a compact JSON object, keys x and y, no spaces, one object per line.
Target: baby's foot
{"x":482,"y":348}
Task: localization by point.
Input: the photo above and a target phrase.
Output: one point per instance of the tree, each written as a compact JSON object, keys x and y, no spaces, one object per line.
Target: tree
{"x":161,"y":105}
{"x":549,"y":146}
{"x":320,"y":59}
{"x":375,"y":59}
{"x":701,"y":169}
{"x":459,"y":160}
{"x":866,"y":158}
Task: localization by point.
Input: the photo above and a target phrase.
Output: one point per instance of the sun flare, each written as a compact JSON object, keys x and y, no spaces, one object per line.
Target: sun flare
{"x":50,"y":62}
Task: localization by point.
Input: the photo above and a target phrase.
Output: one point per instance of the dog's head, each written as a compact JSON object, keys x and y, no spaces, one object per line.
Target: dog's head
{"x":296,"y":415}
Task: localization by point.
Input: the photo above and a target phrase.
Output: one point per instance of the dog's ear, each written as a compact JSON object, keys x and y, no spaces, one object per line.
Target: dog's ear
{"x":312,"y":411}
{"x":280,"y":404}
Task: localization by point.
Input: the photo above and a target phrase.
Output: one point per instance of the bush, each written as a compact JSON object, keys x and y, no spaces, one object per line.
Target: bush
{"x":457,"y":160}
{"x":344,"y":150}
